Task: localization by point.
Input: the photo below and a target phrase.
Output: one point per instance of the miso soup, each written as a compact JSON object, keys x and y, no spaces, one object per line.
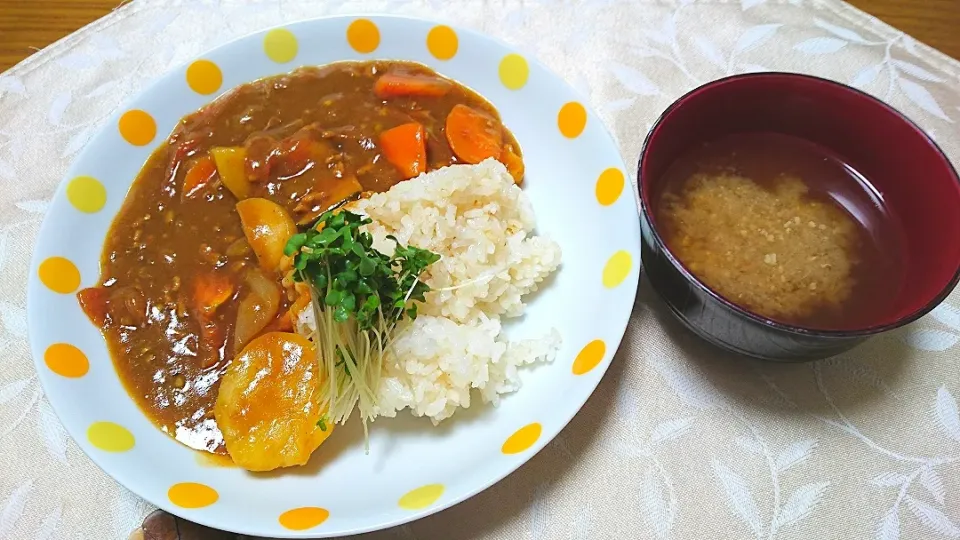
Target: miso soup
{"x":784,"y":229}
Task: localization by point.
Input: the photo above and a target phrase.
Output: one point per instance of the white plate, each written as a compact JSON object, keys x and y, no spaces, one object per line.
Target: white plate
{"x":591,"y":214}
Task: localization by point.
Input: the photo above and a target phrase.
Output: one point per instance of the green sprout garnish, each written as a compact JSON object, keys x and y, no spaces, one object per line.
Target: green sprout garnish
{"x":359,"y":295}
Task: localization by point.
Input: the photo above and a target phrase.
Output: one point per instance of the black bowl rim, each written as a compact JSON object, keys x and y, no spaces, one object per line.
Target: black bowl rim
{"x":794,"y":329}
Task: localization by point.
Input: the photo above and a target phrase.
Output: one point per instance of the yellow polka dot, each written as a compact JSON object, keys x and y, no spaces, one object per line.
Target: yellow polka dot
{"x":137,"y":127}
{"x":86,"y":194}
{"x":110,"y":437}
{"x":363,"y":36}
{"x":301,"y":519}
{"x":616,"y":269}
{"x":59,"y":275}
{"x":421,"y":497}
{"x":280,"y":45}
{"x":522,"y":439}
{"x":571,"y":119}
{"x":442,"y":42}
{"x":609,"y":186}
{"x":66,"y":360}
{"x":204,"y":77}
{"x":589,"y":357}
{"x":192,"y":495}
{"x":514,"y":71}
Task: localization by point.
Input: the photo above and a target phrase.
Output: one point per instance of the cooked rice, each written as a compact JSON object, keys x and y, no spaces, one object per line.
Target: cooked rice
{"x":481,"y":224}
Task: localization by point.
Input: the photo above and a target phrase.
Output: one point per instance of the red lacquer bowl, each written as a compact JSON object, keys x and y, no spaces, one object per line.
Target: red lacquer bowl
{"x":913,"y":176}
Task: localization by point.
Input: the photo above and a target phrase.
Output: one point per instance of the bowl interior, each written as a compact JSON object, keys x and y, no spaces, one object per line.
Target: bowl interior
{"x":909,"y":172}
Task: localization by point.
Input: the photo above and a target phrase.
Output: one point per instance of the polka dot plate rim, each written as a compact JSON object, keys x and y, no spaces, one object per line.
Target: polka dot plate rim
{"x":590,"y":211}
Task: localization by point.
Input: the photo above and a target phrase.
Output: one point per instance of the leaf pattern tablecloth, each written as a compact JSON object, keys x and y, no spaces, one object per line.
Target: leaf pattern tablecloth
{"x":679,"y":440}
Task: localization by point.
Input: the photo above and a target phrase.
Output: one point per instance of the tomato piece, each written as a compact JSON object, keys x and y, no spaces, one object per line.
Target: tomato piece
{"x":200,"y":173}
{"x":95,"y":303}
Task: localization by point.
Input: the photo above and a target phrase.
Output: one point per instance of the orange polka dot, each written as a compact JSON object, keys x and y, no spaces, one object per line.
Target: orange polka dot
{"x":571,"y":119}
{"x":363,"y":36}
{"x":589,"y":357}
{"x":301,"y":519}
{"x":192,"y":495}
{"x":514,"y":71}
{"x":66,"y":360}
{"x":204,"y":77}
{"x":522,"y":439}
{"x":280,"y":45}
{"x":610,"y":186}
{"x":442,"y":42}
{"x":421,"y":497}
{"x":59,"y":275}
{"x":137,"y":127}
{"x":617,"y":269}
{"x":110,"y":437}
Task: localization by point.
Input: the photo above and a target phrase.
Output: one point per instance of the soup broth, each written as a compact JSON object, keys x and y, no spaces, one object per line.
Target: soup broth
{"x":784,"y":229}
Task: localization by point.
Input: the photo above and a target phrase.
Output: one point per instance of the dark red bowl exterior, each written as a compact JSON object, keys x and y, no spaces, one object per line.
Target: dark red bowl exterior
{"x":914,"y":178}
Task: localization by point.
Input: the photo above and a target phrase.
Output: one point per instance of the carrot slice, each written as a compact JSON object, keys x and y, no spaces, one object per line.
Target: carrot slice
{"x":210,"y":291}
{"x":404,"y":147}
{"x":328,"y":192}
{"x":513,"y":162}
{"x":473,"y":135}
{"x":285,"y":322}
{"x":198,"y":175}
{"x":392,"y":85}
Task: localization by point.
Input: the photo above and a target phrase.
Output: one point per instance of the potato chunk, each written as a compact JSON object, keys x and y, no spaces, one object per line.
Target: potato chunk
{"x":269,"y":406}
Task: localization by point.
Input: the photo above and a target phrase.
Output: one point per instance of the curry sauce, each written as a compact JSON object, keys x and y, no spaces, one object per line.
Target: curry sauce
{"x":183,"y":288}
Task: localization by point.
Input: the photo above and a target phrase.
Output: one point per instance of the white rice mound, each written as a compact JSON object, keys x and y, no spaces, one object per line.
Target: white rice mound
{"x":482,"y":226}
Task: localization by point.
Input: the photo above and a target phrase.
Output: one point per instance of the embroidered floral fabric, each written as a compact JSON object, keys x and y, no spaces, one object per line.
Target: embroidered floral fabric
{"x":679,"y":440}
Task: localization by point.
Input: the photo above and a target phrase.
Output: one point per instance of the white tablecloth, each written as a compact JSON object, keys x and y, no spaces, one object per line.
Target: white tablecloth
{"x":679,"y":441}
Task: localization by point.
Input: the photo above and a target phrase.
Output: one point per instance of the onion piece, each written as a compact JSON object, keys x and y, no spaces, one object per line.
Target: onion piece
{"x":257,"y":308}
